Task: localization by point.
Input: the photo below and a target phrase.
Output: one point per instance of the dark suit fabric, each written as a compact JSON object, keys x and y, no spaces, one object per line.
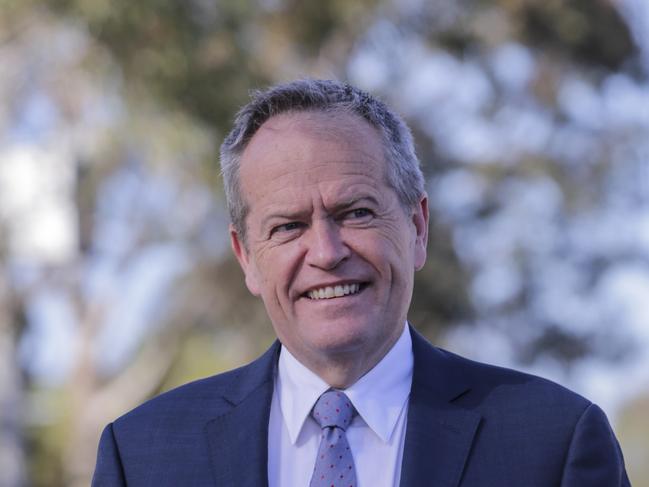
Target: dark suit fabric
{"x":469,"y":425}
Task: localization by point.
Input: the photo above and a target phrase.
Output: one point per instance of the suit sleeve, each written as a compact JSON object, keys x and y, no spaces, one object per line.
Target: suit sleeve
{"x":594,"y":457}
{"x":108,"y":471}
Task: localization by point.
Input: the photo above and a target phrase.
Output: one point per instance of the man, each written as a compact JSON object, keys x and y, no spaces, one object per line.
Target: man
{"x":329,"y":223}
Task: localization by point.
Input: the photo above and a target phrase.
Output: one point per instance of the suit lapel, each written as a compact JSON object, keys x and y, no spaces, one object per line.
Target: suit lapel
{"x":438,"y":440}
{"x":439,"y":434}
{"x":238,"y":439}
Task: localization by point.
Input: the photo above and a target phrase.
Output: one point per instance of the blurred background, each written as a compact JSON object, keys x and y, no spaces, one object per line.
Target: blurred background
{"x":116,"y":281}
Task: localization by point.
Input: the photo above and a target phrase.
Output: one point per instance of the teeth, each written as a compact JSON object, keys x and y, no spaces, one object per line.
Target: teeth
{"x":329,"y":292}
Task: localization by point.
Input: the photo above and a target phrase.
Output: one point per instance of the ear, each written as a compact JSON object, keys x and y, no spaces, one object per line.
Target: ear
{"x":247,"y":264}
{"x":420,"y":220}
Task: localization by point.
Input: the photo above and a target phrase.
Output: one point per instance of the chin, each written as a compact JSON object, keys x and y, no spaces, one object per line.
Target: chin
{"x":343,"y":339}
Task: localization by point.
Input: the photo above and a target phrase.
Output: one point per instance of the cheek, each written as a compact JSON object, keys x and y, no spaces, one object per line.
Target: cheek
{"x":397,"y":231}
{"x":397,"y":245}
{"x":280,"y":266}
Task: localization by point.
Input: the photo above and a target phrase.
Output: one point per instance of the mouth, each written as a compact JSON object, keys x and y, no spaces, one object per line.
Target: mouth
{"x":337,"y":291}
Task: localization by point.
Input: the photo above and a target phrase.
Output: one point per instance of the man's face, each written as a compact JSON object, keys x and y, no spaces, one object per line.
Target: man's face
{"x":329,"y":248}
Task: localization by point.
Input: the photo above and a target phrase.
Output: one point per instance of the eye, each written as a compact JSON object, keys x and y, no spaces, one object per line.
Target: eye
{"x":286,"y":228}
{"x":358,"y":214}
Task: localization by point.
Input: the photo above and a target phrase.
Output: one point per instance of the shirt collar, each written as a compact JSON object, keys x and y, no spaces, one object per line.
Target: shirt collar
{"x":379,"y":396}
{"x":299,"y":388}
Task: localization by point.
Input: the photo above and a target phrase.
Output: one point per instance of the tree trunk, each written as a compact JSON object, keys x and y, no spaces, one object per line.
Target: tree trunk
{"x":12,"y":454}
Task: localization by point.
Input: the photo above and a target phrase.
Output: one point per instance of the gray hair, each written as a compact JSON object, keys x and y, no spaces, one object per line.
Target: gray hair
{"x":403,"y":172}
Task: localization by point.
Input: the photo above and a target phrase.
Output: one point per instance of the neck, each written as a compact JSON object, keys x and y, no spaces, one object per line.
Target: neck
{"x":342,"y":369}
{"x":342,"y":375}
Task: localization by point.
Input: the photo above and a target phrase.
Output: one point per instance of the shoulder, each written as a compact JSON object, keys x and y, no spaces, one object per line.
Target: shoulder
{"x":210,"y":392}
{"x":191,"y":405}
{"x":166,"y":440}
{"x":491,"y":389}
{"x":495,"y":384}
{"x":545,"y":429}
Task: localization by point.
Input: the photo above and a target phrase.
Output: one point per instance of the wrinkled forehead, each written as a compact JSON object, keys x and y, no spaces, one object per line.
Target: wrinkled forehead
{"x":293,"y":151}
{"x":299,"y":137}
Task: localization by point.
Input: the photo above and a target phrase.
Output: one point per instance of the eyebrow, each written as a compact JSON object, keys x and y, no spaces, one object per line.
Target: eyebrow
{"x":284,"y":216}
{"x":353,"y":202}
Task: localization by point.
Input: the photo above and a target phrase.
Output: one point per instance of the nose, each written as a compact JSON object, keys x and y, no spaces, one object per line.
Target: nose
{"x":326,"y":246}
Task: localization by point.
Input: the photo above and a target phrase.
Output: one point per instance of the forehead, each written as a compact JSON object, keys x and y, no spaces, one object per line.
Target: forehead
{"x":310,"y":147}
{"x":305,"y":120}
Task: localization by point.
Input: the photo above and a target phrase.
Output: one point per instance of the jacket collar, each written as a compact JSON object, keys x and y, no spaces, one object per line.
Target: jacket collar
{"x":238,"y":439}
{"x":439,"y":434}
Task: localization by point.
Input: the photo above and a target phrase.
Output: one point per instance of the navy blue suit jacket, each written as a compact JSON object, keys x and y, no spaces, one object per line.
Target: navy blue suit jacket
{"x":469,"y":425}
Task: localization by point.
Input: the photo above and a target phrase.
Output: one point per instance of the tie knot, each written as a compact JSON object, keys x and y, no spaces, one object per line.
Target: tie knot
{"x":333,"y":408}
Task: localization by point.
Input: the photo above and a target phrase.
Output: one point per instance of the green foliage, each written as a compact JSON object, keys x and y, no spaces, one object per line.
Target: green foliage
{"x":591,"y":32}
{"x":205,"y":56}
{"x":440,"y":297}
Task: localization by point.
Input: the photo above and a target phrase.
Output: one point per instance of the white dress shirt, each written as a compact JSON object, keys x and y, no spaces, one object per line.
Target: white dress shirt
{"x":376,"y":435}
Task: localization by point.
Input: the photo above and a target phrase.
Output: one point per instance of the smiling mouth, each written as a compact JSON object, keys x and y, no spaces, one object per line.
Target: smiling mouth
{"x":330,"y":292}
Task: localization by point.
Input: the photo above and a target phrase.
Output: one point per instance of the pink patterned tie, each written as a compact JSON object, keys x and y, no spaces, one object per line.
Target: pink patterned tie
{"x":334,"y":465}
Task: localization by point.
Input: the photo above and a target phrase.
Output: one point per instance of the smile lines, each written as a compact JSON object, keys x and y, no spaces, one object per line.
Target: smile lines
{"x":329,"y":292}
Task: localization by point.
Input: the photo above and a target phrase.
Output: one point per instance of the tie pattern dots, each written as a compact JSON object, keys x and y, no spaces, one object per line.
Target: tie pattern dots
{"x":334,"y":466}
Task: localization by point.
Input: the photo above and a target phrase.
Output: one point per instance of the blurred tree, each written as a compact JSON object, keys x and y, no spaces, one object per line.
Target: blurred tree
{"x":205,"y":56}
{"x":86,"y":207}
{"x":144,"y":91}
{"x":12,"y":444}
